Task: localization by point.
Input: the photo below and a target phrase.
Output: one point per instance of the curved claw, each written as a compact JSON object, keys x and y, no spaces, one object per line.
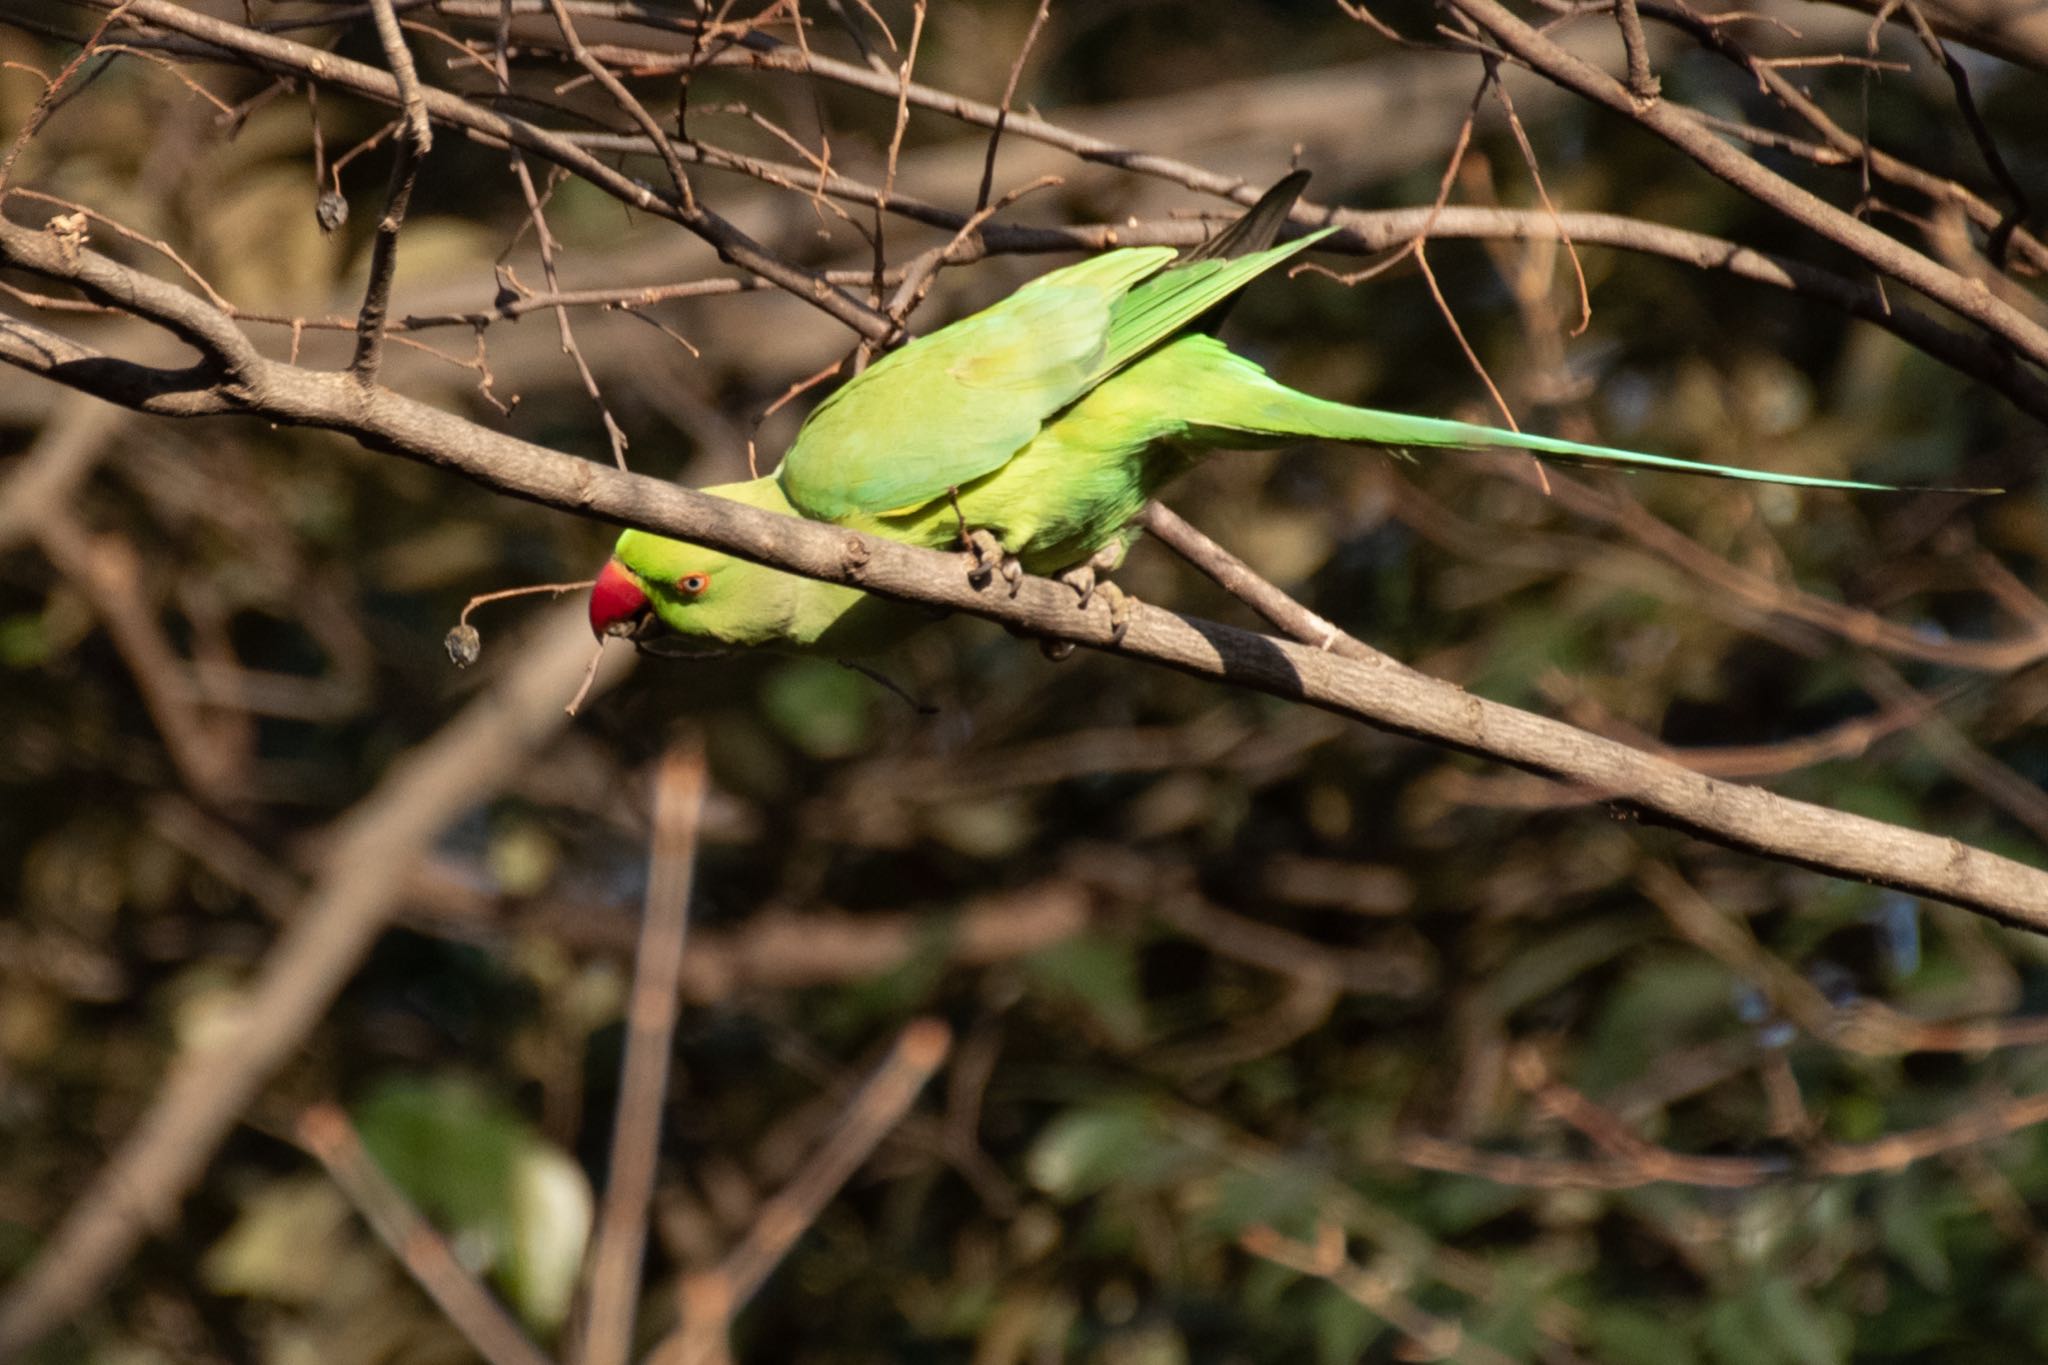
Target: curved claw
{"x":1084,"y":578}
{"x":1081,"y":578}
{"x":1120,"y":604}
{"x":991,"y":558}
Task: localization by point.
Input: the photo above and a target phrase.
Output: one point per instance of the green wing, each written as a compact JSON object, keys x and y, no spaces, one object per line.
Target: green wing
{"x":1165,"y":304}
{"x":950,"y":407}
{"x":1259,"y":226}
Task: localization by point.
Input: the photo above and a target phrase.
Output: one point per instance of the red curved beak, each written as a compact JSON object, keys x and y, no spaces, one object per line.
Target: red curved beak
{"x":615,"y":600}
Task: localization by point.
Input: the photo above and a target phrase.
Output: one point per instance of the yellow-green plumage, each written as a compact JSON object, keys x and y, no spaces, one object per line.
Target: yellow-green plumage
{"x":1050,"y":419}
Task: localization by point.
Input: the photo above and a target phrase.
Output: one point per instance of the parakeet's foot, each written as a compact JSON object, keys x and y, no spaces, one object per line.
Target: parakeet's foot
{"x":991,"y":558}
{"x":1085,"y":577}
{"x":1120,"y":604}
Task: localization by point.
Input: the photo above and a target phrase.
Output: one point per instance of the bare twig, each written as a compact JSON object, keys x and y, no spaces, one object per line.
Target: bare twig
{"x":410,"y":151}
{"x":628,"y":104}
{"x":1981,"y":358}
{"x":995,"y":134}
{"x":613,"y":1274}
{"x":1642,"y":82}
{"x":1236,"y":577}
{"x":52,"y":87}
{"x":1382,"y":1293}
{"x":896,"y":132}
{"x":2000,"y":240}
{"x":544,"y":243}
{"x":873,"y":1111}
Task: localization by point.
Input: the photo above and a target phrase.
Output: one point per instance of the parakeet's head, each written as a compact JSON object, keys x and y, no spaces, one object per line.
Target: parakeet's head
{"x":693,"y":600}
{"x":700,"y":594}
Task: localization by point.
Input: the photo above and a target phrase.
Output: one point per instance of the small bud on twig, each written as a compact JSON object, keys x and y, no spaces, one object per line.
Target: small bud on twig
{"x":465,"y":644}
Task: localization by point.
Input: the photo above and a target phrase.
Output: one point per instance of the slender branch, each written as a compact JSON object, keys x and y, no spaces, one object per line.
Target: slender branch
{"x":52,"y":88}
{"x":418,"y":130}
{"x":1980,"y":358}
{"x":1430,"y":1337}
{"x":544,"y":244}
{"x":1235,"y":577}
{"x":1846,"y":146}
{"x":205,"y":328}
{"x":2016,"y":30}
{"x":627,"y":103}
{"x":613,"y":1275}
{"x":407,"y":155}
{"x":710,"y":1301}
{"x":1642,"y":82}
{"x":995,"y":134}
{"x":2000,"y":239}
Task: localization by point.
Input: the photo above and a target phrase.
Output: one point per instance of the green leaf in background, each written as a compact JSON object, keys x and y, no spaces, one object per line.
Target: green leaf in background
{"x":1622,"y":1335}
{"x":510,"y":1204}
{"x":1808,"y":1333}
{"x":1344,"y":1327}
{"x":1099,"y":974}
{"x":819,"y":706}
{"x":1909,"y":1222}
{"x":23,"y":641}
{"x":1124,"y":1142}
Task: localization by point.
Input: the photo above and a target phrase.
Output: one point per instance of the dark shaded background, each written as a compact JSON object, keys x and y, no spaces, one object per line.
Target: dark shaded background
{"x":1215,"y":965}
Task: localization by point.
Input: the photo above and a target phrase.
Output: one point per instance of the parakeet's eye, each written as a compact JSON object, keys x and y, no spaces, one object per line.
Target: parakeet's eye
{"x":693,"y":584}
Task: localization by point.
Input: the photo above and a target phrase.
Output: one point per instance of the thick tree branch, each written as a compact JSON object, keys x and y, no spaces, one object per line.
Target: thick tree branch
{"x":1391,"y":698}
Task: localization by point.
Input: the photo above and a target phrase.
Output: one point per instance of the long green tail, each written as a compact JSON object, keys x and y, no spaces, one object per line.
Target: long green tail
{"x":1399,"y":429}
{"x":1216,"y":389}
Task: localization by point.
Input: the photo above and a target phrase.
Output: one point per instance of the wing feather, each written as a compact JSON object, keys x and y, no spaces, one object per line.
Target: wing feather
{"x":952,"y":406}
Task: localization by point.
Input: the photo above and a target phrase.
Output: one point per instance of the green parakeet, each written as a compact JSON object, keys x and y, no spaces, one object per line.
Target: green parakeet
{"x":1045,"y":423}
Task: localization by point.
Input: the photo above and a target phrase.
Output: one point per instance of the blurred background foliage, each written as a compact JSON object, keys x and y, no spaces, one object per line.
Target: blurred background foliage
{"x":1220,"y":969}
